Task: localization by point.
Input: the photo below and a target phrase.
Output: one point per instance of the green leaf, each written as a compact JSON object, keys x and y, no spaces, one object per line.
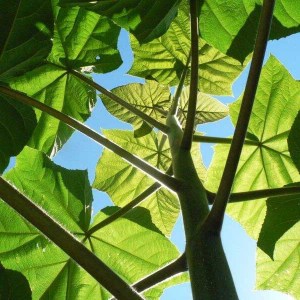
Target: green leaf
{"x":13,"y":285}
{"x":236,"y":23}
{"x":276,"y":104}
{"x":119,"y":179}
{"x":64,"y":194}
{"x":83,"y":39}
{"x":67,"y":196}
{"x":17,"y":123}
{"x":145,"y":19}
{"x":151,"y":98}
{"x":282,"y":214}
{"x":63,"y":91}
{"x":208,"y":108}
{"x":294,"y":143}
{"x":25,"y":35}
{"x":283,"y":273}
{"x":164,"y":59}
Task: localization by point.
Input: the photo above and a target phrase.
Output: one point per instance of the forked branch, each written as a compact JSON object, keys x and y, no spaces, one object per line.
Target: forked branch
{"x":215,"y":219}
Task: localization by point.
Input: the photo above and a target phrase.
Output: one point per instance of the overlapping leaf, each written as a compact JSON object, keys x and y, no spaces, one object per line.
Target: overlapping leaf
{"x":282,"y":214}
{"x":131,"y":246}
{"x":123,"y":182}
{"x":151,"y":98}
{"x":208,"y":108}
{"x":17,"y":123}
{"x":145,"y":19}
{"x":164,"y":59}
{"x":294,"y":142}
{"x":236,"y":23}
{"x":26,"y":29}
{"x":81,"y":39}
{"x":282,"y":273}
{"x":267,"y":165}
{"x":13,"y":285}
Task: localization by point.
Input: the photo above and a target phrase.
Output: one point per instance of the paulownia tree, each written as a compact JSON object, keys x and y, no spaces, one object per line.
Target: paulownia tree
{"x":48,"y":49}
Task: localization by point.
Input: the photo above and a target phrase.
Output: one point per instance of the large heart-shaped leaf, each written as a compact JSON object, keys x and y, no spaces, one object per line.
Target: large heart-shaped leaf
{"x":131,"y":246}
{"x":25,"y":39}
{"x":17,"y":123}
{"x":282,"y":273}
{"x":145,"y":19}
{"x":122,"y":182}
{"x":235,"y":22}
{"x":164,"y":59}
{"x":75,"y":45}
{"x":282,"y":214}
{"x":276,"y":104}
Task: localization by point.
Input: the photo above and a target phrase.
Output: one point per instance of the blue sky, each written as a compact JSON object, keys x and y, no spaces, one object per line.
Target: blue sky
{"x":82,"y":153}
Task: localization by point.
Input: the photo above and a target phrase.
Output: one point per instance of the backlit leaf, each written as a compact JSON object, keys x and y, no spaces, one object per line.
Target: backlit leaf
{"x":164,"y":59}
{"x":145,"y":19}
{"x":276,"y":105}
{"x":282,"y":273}
{"x":132,"y":246}
{"x":93,"y":46}
{"x":236,"y":23}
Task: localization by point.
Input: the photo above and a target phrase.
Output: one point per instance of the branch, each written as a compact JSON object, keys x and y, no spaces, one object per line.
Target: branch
{"x":162,"y":127}
{"x":66,"y":241}
{"x":190,"y":122}
{"x":175,"y":267}
{"x":254,"y":195}
{"x":156,"y":174}
{"x":218,"y":140}
{"x":177,"y":95}
{"x":215,"y":218}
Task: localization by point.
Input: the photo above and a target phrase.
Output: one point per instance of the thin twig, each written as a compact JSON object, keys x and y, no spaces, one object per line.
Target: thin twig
{"x":259,"y":194}
{"x":219,"y":140}
{"x":192,"y":106}
{"x":216,"y":216}
{"x":166,"y":180}
{"x":164,"y":128}
{"x":66,"y":241}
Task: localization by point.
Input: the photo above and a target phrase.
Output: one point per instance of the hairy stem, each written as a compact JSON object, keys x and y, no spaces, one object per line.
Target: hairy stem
{"x":216,"y":216}
{"x":172,"y":269}
{"x":259,"y":194}
{"x":192,"y":106}
{"x":156,"y":174}
{"x":121,"y":102}
{"x":66,"y":241}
